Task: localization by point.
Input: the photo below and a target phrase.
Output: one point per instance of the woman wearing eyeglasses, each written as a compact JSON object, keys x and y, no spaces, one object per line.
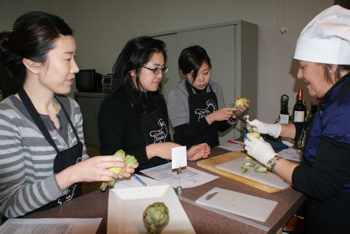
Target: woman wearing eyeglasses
{"x":134,"y":117}
{"x":196,"y":107}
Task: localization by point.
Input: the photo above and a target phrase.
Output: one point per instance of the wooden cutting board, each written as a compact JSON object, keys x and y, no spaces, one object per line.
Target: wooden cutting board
{"x":210,"y":164}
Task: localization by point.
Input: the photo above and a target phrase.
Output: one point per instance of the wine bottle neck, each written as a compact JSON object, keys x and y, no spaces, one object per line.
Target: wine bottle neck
{"x":300,"y":95}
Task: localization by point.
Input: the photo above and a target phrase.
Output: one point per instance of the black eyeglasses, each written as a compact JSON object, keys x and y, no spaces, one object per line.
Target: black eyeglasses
{"x":157,"y":70}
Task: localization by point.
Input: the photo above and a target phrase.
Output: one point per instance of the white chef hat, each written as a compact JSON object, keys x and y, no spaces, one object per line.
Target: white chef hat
{"x":326,"y":38}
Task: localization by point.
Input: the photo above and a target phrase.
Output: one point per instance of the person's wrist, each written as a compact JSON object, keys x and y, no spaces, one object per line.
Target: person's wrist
{"x":149,"y":151}
{"x":67,"y":177}
{"x":268,"y":156}
{"x":231,"y":120}
{"x":275,"y":130}
{"x":209,"y":118}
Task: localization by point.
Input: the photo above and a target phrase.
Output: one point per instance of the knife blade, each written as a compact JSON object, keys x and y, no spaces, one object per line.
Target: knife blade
{"x":243,"y":118}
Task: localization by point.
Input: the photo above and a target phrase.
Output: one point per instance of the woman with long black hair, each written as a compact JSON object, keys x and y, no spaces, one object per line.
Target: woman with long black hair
{"x":134,"y":117}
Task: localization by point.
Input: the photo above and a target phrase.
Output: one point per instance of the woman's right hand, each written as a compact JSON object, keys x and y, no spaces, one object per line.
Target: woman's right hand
{"x":162,"y":150}
{"x":93,"y":169}
{"x":198,"y":151}
{"x":220,"y":115}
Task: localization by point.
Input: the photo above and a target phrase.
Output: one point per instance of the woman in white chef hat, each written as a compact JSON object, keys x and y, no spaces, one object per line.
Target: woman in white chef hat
{"x":323,"y":54}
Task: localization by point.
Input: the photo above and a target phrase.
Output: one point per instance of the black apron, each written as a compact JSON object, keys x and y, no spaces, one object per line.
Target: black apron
{"x":201,"y":105}
{"x":155,"y":128}
{"x":64,"y":158}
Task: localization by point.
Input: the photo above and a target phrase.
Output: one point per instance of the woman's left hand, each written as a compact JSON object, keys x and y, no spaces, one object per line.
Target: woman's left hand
{"x":198,"y":151}
{"x":128,"y":171}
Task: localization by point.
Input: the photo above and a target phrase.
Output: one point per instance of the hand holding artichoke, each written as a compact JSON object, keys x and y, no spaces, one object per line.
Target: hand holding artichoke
{"x":129,"y":160}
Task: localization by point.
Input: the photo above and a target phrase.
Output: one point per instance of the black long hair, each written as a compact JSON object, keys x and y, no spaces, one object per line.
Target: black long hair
{"x":32,"y":37}
{"x":135,"y":54}
{"x":192,"y":58}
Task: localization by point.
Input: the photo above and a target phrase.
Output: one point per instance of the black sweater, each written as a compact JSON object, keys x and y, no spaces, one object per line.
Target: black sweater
{"x":120,"y":127}
{"x":328,"y":204}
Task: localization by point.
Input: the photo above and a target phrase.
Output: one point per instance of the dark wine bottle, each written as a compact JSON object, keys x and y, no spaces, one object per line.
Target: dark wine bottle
{"x":299,"y":110}
{"x":284,"y":114}
{"x":315,"y":105}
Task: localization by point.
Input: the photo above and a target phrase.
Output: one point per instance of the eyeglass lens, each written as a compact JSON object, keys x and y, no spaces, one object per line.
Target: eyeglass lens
{"x":157,"y":70}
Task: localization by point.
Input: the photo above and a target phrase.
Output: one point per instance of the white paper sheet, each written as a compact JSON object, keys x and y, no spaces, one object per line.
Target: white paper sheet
{"x":188,"y":178}
{"x":290,"y":154}
{"x":50,"y":226}
{"x":133,"y":182}
{"x":232,"y":146}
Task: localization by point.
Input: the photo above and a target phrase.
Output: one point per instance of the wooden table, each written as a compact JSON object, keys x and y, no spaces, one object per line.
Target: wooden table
{"x":95,"y":204}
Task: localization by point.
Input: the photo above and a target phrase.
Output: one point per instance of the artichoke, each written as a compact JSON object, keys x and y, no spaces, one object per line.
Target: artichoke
{"x":129,"y":160}
{"x":240,"y":102}
{"x":251,"y":131}
{"x":156,"y":217}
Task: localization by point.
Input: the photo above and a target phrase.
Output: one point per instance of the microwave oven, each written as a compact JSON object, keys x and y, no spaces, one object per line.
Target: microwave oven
{"x":88,"y":80}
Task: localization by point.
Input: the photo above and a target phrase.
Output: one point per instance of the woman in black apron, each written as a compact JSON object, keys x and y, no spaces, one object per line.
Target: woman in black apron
{"x":134,"y":117}
{"x":196,"y":107}
{"x":43,"y":157}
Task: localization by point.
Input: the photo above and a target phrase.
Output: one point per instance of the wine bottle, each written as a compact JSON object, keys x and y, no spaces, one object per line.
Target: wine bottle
{"x":284,"y":114}
{"x":299,"y":110}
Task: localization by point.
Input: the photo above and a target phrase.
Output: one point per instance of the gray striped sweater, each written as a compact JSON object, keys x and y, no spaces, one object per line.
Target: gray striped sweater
{"x":27,"y":181}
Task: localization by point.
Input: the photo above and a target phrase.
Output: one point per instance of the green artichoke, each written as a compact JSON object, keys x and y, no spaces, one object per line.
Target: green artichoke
{"x":129,"y":160}
{"x":156,"y":217}
{"x":240,"y":102}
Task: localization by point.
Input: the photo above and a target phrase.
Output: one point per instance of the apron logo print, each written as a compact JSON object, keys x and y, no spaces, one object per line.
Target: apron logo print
{"x":161,"y":134}
{"x":79,"y":159}
{"x":69,"y":196}
{"x":202,"y":113}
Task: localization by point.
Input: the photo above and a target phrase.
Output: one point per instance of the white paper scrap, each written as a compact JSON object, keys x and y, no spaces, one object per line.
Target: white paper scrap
{"x":178,"y":157}
{"x":51,"y":226}
{"x":190,"y":177}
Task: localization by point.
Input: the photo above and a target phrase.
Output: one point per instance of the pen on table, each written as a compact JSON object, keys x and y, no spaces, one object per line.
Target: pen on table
{"x":233,"y":142}
{"x":139,"y":180}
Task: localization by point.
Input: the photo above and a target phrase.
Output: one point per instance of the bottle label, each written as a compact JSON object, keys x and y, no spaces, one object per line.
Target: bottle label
{"x":284,"y":119}
{"x":299,"y":116}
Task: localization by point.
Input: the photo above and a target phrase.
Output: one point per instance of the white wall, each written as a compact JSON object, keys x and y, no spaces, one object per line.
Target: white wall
{"x":103,"y":27}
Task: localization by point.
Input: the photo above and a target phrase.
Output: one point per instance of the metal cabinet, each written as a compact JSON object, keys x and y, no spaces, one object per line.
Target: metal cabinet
{"x":90,"y":104}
